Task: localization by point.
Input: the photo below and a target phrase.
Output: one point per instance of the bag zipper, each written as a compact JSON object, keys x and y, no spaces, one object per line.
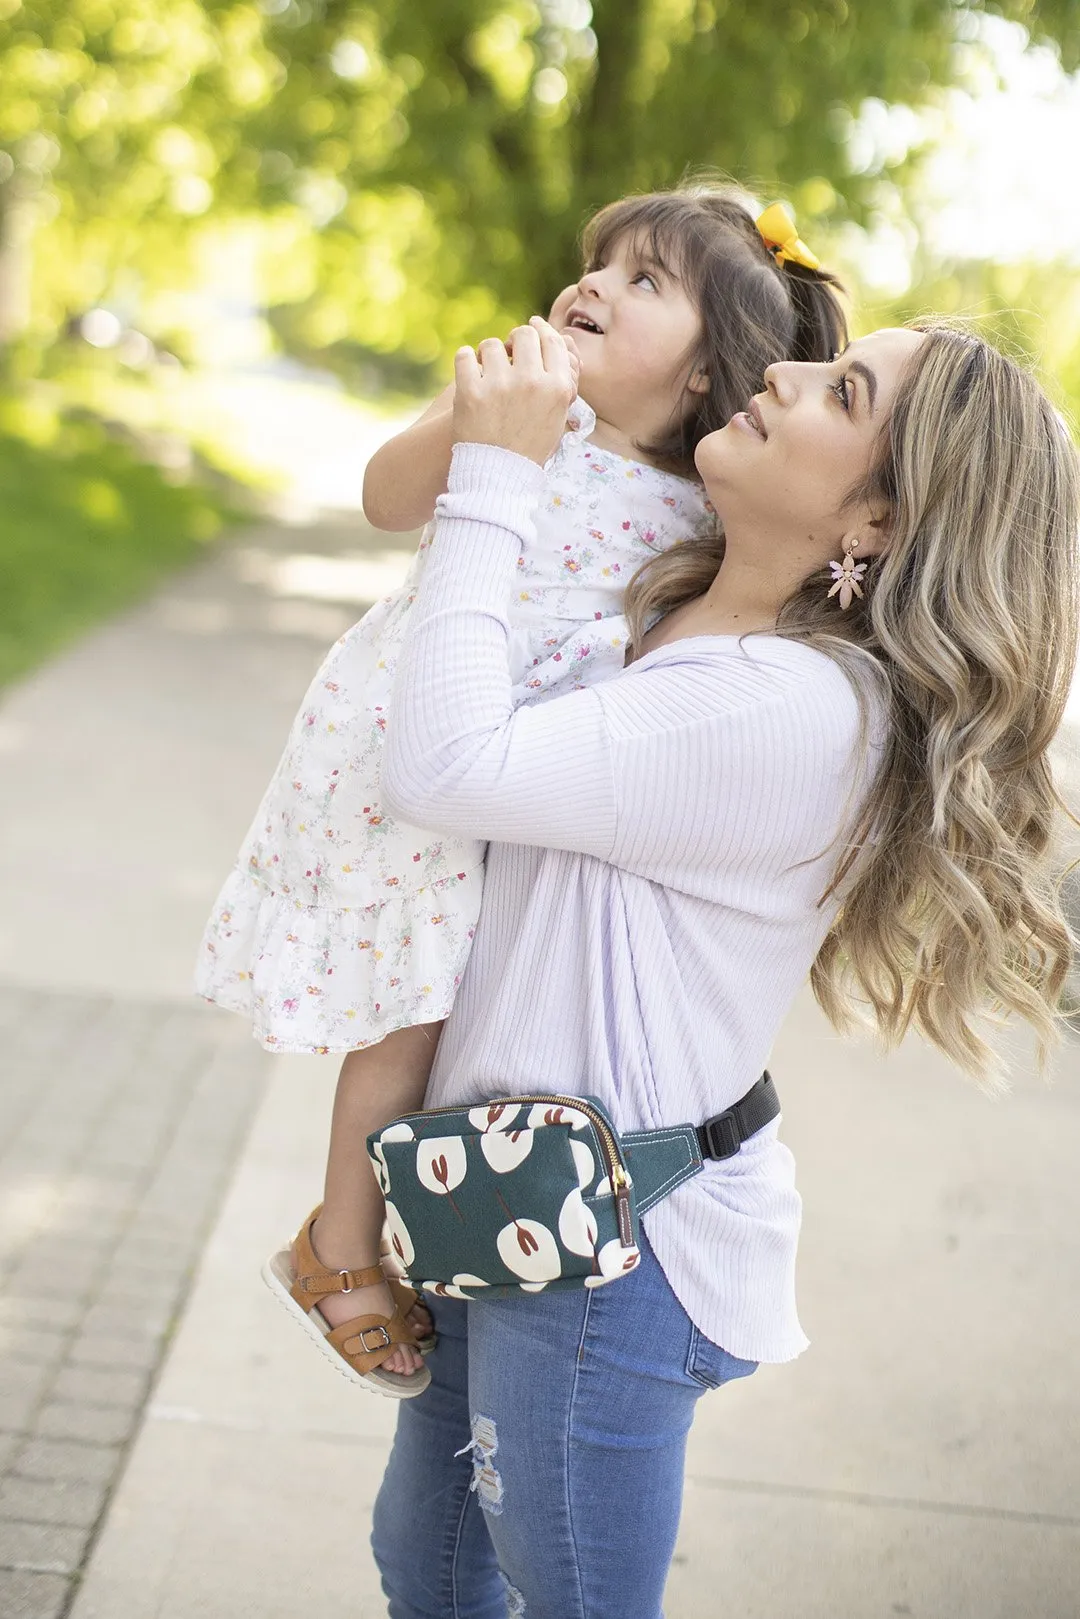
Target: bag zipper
{"x":617,"y":1172}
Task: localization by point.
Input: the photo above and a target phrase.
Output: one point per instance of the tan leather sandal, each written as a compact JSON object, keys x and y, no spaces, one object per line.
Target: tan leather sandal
{"x":402,"y":1293}
{"x":358,"y":1347}
{"x":405,"y":1297}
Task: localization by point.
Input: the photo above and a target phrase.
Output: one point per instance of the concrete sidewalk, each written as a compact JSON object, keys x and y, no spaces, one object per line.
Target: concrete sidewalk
{"x":922,"y":1459}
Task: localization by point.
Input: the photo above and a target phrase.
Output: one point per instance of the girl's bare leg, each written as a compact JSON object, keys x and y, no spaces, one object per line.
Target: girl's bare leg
{"x":375,"y":1085}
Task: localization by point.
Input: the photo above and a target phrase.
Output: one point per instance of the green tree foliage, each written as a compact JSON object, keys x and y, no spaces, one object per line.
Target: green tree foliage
{"x":418,"y":169}
{"x":1032,"y":311}
{"x":88,"y":527}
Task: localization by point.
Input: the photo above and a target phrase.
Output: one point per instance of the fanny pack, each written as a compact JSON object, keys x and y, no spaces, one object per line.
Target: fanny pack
{"x":528,"y":1193}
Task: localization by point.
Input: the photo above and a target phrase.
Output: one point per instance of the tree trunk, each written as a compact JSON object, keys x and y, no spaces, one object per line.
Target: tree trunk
{"x":607,"y":129}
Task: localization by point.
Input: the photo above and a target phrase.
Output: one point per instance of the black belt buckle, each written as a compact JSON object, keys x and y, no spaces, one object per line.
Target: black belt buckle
{"x":723,"y":1137}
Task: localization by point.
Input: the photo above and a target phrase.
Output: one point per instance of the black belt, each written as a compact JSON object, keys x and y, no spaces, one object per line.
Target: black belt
{"x":660,"y":1160}
{"x":722,"y":1136}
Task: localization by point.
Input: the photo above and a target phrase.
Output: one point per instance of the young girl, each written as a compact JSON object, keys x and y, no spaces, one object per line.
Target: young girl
{"x":342,"y":930}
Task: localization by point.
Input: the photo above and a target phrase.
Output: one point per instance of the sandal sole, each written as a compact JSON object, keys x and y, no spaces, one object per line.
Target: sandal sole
{"x":277,"y":1274}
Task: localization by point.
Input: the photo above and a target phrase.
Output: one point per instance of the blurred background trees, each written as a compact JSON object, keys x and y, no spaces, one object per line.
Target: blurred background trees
{"x":230,"y":230}
{"x":400,"y":175}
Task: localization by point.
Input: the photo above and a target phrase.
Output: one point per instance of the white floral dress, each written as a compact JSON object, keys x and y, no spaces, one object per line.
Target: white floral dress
{"x":339,"y":924}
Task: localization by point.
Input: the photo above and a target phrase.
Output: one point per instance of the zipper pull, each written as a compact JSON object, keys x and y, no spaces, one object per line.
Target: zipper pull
{"x":620,"y":1185}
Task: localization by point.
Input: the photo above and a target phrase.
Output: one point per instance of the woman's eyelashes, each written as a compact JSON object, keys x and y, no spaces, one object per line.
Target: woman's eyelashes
{"x":840,"y":389}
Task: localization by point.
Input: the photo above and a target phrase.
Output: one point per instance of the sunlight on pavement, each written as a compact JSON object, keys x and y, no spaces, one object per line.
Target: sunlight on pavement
{"x":309,"y":436}
{"x":24,"y":1206}
{"x":352,"y":577}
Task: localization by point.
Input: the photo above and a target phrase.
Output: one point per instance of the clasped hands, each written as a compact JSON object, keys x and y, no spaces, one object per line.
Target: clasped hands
{"x":515,"y":395}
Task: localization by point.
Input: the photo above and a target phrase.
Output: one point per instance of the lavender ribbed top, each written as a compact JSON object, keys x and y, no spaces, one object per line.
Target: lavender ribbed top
{"x":659,"y":843}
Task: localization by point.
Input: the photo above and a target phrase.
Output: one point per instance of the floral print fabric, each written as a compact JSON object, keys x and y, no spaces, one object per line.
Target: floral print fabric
{"x":339,"y":924}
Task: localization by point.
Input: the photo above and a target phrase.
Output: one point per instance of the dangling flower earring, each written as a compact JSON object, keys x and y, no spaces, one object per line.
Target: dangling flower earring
{"x":846,"y":575}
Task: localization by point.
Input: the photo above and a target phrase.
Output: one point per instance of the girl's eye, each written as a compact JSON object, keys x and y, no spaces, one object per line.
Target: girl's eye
{"x":644,"y":276}
{"x":840,"y":389}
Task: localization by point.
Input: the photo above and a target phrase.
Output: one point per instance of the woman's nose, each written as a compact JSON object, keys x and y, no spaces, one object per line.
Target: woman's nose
{"x":780,"y":377}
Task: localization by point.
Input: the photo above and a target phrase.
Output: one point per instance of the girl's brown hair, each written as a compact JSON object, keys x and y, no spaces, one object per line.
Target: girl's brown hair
{"x":753,"y":310}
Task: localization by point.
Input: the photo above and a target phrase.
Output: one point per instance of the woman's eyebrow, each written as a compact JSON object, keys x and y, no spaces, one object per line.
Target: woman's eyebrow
{"x":868,"y":377}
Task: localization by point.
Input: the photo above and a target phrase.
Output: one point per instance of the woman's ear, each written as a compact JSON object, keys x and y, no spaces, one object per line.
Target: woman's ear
{"x":874,"y":535}
{"x":699,"y":382}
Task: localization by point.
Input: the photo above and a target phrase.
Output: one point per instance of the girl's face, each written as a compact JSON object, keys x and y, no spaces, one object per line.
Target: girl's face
{"x":635,"y":329}
{"x":783,"y":468}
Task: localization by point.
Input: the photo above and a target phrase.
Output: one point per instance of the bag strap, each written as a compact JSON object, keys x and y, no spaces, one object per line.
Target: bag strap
{"x":723,"y":1135}
{"x":660,"y":1160}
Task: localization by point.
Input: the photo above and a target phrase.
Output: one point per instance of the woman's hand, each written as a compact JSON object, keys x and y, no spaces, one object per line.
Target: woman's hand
{"x":515,"y":400}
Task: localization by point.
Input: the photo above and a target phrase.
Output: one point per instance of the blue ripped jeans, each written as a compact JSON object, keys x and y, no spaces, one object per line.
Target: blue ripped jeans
{"x":541,"y":1473}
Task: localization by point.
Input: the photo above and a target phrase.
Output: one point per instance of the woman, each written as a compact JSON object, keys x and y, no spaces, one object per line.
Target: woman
{"x":827,"y":752}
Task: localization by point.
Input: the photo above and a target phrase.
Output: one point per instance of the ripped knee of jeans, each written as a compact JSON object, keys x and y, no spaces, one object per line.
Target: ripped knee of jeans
{"x":515,"y":1602}
{"x":486,"y":1480}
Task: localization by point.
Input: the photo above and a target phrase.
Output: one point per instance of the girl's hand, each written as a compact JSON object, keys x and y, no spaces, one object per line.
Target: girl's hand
{"x":557,"y":316}
{"x":518,"y":400}
{"x":575,"y":360}
{"x":563,"y":304}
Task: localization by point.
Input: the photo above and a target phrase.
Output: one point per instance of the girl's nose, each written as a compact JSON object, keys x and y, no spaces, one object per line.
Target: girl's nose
{"x":589,"y":285}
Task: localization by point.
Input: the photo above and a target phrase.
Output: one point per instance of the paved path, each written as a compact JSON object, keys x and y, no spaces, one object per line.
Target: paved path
{"x":121,"y":1122}
{"x":127,"y":769}
{"x":923,"y":1459}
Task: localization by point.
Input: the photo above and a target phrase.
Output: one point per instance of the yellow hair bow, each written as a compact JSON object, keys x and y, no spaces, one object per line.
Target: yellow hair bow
{"x":780,"y":236}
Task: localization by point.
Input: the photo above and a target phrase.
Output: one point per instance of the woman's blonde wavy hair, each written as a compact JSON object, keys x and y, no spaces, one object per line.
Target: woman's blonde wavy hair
{"x":949,"y":905}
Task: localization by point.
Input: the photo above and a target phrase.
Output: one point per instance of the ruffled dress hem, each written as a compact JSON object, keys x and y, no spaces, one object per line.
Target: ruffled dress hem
{"x":315,"y":981}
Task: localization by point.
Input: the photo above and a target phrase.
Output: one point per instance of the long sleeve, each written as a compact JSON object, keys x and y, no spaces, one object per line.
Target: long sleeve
{"x":458,"y":757}
{"x":673,"y":766}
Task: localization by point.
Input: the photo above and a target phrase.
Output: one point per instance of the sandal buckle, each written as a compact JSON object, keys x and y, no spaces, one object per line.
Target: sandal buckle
{"x":369,"y":1348}
{"x":345,"y":1274}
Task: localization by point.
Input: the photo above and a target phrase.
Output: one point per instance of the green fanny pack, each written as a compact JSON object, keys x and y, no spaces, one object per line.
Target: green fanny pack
{"x":527,"y":1193}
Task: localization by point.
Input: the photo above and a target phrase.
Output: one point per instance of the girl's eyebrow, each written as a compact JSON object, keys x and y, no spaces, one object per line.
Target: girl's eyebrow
{"x":645,"y":254}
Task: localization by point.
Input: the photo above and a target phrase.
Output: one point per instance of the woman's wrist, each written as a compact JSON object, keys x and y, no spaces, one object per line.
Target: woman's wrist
{"x":488,"y":469}
{"x":482,"y":522}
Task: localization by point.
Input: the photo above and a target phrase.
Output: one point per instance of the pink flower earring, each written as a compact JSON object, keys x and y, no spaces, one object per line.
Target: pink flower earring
{"x":846,"y":575}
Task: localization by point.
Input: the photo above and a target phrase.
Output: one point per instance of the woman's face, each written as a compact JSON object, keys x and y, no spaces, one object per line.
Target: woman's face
{"x":784,"y":468}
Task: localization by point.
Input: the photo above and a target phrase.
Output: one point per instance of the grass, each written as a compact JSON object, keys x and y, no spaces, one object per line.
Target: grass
{"x":86,"y":527}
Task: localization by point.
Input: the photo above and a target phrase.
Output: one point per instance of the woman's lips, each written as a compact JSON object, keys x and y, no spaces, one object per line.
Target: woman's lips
{"x":748,"y":424}
{"x":753,"y":412}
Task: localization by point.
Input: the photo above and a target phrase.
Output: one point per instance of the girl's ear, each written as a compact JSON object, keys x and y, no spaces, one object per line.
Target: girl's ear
{"x":699,"y":382}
